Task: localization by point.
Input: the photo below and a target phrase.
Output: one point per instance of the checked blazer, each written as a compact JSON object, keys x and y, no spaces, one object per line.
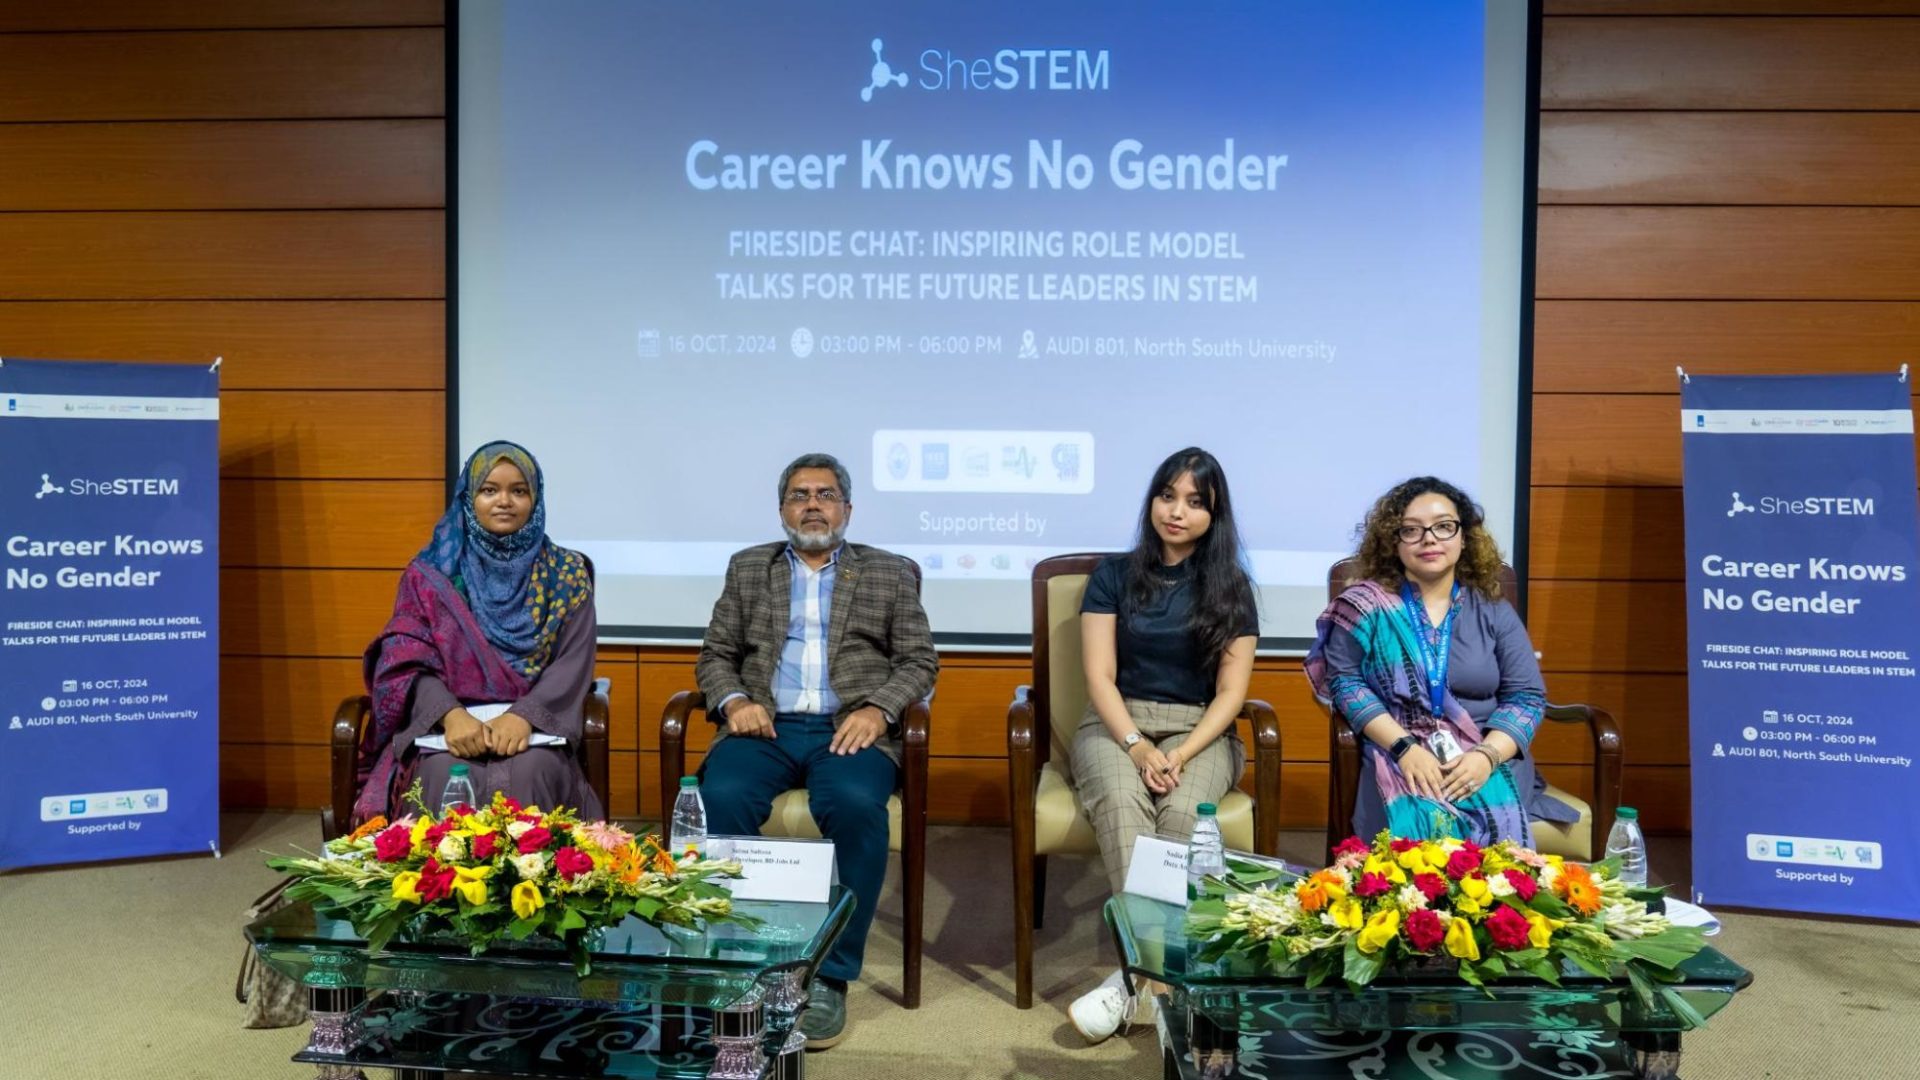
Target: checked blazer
{"x":879,"y":649}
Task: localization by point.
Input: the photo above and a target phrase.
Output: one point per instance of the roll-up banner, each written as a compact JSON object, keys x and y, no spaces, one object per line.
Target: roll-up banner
{"x":1803,"y":642}
{"x":109,"y":614}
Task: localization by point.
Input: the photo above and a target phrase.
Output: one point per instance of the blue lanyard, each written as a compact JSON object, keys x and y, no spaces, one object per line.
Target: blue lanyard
{"x":1433,"y":655}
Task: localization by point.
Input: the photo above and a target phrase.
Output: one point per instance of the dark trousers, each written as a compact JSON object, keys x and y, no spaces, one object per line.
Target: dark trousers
{"x":847,"y":794}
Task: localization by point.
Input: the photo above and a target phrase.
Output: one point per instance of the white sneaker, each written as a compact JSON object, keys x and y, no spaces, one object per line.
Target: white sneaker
{"x":1099,"y":1012}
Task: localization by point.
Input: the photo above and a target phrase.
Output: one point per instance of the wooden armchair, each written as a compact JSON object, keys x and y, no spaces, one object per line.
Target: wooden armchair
{"x":793,"y":816}
{"x":1045,"y":810}
{"x":1583,"y":840}
{"x":349,"y":726}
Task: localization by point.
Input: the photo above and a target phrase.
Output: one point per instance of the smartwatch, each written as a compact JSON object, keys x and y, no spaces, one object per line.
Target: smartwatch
{"x":1401,"y":745}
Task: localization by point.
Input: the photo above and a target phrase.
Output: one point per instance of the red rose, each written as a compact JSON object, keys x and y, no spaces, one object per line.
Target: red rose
{"x":531,"y":819}
{"x":436,"y":832}
{"x":485,"y":845}
{"x":1433,"y":885}
{"x":1508,"y":928}
{"x":571,"y":862}
{"x":1425,"y":930}
{"x":1404,"y":845}
{"x":436,"y":881}
{"x":1372,"y":885}
{"x":1523,"y":886}
{"x":534,"y":839}
{"x":1352,"y":845}
{"x":1463,"y":862}
{"x":510,"y":804}
{"x":392,"y":843}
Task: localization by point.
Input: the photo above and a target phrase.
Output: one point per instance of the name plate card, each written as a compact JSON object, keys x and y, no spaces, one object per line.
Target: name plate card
{"x":1158,"y":870}
{"x":799,"y":871}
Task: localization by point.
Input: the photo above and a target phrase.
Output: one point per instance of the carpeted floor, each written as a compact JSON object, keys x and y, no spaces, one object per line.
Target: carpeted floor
{"x":127,"y":971}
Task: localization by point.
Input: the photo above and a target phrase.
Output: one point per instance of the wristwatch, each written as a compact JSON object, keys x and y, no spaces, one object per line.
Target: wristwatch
{"x":1132,"y":737}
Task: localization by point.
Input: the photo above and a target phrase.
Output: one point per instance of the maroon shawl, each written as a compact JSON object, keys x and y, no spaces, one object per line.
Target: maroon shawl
{"x":432,"y":632}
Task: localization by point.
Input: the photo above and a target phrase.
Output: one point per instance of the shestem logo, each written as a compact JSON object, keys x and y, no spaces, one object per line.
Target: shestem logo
{"x":1083,"y":70}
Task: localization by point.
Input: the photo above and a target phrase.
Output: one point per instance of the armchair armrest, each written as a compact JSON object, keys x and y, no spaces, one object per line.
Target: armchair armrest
{"x":1343,"y":778}
{"x":673,"y":741}
{"x":1608,"y":759}
{"x":593,"y":749}
{"x":1266,"y":775}
{"x":343,"y":748}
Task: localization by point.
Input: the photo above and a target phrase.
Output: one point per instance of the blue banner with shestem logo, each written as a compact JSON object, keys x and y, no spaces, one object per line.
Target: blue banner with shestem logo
{"x":1803,"y":642}
{"x":109,"y":610}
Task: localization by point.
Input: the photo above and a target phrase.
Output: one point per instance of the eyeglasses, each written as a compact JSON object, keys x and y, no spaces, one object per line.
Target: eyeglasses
{"x":800,"y":496}
{"x":1441,"y":530}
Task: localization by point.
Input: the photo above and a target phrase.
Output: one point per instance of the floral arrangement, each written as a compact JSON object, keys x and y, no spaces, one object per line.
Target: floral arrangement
{"x":1487,"y":911}
{"x":506,"y":871}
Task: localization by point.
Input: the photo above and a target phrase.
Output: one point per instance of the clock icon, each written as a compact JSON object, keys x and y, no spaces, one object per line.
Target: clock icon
{"x":803,"y":343}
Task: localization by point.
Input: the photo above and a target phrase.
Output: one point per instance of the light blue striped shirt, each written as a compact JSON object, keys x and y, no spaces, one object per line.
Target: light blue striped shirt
{"x":800,"y":683}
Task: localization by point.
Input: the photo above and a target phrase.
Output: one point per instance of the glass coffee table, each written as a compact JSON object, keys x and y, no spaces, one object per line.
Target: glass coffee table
{"x":1231,"y":1019}
{"x":723,"y":1003}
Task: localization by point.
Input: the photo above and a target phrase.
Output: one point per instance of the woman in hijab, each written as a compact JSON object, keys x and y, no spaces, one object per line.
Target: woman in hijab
{"x":490,"y":612}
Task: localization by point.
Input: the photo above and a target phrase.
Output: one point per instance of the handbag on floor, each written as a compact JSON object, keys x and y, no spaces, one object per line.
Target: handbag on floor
{"x":272,"y":999}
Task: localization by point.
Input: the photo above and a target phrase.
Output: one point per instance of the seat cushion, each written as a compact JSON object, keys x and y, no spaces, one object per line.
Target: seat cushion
{"x":1572,"y":839}
{"x":792,"y":816}
{"x":1061,"y":826}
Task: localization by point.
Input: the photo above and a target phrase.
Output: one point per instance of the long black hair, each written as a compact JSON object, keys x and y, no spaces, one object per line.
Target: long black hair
{"x":1222,"y":592}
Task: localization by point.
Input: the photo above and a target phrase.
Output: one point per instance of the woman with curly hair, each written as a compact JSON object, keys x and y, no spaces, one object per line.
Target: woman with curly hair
{"x":1435,"y":673}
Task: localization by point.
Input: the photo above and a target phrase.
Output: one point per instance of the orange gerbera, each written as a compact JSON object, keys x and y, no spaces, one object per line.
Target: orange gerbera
{"x":1577,"y":887}
{"x":628,"y":864}
{"x":1313,"y":894}
{"x":379,"y":822}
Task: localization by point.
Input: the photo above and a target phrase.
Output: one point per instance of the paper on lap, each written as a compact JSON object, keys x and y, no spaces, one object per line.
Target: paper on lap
{"x":437,"y":742}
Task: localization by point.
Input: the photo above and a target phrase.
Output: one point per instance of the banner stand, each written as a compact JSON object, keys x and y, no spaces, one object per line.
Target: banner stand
{"x":1803,"y":641}
{"x":109,"y":610}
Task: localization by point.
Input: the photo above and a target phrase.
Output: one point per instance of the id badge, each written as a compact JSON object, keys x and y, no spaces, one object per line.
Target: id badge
{"x":1444,"y":746}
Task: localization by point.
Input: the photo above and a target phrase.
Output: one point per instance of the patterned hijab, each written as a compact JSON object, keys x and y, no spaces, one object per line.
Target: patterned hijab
{"x":520,"y":587}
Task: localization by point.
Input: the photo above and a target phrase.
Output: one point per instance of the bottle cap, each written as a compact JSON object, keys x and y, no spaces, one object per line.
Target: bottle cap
{"x":1206,"y":809}
{"x":457,"y":770}
{"x":689,"y":781}
{"x":1628,"y":813}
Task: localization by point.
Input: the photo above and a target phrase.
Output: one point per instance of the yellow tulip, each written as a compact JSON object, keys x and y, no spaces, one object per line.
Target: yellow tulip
{"x":1460,"y":941}
{"x":406,"y":886}
{"x":1539,"y":930}
{"x":417,"y":839}
{"x":1386,"y":868}
{"x":471,"y":883}
{"x":1382,"y":928}
{"x":1475,"y":895}
{"x":527,"y":899}
{"x":1415,"y":860}
{"x":1347,"y":914}
{"x":1436,"y":855}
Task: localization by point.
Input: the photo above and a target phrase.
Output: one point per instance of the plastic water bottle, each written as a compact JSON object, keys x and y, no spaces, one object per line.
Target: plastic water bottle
{"x":1627,"y":844}
{"x":1206,"y":855}
{"x":689,"y":819}
{"x":459,"y":790}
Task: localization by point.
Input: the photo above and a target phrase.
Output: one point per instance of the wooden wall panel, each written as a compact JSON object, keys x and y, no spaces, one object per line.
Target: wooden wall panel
{"x":1608,"y":626}
{"x":284,"y":701}
{"x":31,"y":15}
{"x":1728,"y":253}
{"x":224,"y":75}
{"x":264,"y":344}
{"x":1730,"y":63}
{"x":1708,"y":158}
{"x":254,"y":165}
{"x":1632,"y":346}
{"x":242,"y":255}
{"x":303,"y":612}
{"x":1732,"y":7}
{"x":336,"y":524}
{"x":346,"y":434}
{"x":1606,"y":533}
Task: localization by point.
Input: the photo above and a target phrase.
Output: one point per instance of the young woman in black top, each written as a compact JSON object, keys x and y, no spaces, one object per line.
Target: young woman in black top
{"x":1167,"y":634}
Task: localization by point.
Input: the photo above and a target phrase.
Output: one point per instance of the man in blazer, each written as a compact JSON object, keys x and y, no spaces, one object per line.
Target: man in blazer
{"x":815,"y":650}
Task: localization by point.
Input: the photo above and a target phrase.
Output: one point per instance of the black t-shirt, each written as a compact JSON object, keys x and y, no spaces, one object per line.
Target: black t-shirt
{"x":1157,"y":656}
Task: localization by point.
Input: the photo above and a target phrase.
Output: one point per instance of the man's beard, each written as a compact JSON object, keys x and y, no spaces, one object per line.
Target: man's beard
{"x":815,"y":541}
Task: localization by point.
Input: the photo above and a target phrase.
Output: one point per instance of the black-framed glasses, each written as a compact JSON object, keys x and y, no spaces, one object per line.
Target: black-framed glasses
{"x":800,"y":496}
{"x":1441,"y":530}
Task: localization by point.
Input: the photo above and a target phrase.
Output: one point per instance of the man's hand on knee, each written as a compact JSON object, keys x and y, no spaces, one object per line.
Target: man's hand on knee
{"x":859,"y":730}
{"x":744,"y":717}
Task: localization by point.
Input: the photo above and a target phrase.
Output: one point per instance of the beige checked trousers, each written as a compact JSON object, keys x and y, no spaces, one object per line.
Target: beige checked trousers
{"x":1116,"y":798}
